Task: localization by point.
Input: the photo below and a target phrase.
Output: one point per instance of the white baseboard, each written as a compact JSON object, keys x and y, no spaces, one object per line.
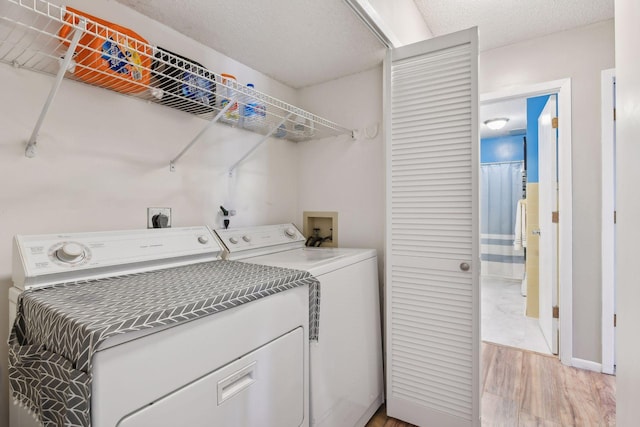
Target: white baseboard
{"x":586,"y":364}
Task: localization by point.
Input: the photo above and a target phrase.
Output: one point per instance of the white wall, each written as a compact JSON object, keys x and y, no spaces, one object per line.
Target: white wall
{"x":338,"y":174}
{"x":628,"y":207}
{"x":104,"y":158}
{"x":580,"y":54}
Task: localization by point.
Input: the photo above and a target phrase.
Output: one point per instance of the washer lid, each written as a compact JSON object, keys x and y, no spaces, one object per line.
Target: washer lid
{"x":43,"y":260}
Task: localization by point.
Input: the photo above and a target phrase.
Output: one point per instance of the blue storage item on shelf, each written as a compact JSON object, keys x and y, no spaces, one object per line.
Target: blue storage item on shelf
{"x":254,"y":112}
{"x":183,"y":83}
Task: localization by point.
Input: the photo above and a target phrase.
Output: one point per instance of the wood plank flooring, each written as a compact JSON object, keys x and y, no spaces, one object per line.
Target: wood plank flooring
{"x":522,"y":388}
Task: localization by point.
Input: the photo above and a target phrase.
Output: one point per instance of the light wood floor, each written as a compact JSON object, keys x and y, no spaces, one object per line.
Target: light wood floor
{"x":522,"y":388}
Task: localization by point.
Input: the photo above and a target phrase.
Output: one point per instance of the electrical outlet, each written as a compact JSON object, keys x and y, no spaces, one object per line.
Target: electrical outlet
{"x":151,"y":212}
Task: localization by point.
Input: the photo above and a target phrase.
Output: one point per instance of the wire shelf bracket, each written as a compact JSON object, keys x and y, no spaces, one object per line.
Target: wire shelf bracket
{"x":172,"y":163}
{"x":31,"y":149}
{"x":262,"y":141}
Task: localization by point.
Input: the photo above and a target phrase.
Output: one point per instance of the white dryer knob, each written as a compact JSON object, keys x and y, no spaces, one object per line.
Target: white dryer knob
{"x":290,"y":232}
{"x":203,"y":239}
{"x":233,"y":240}
{"x":246,"y":238}
{"x":70,"y":252}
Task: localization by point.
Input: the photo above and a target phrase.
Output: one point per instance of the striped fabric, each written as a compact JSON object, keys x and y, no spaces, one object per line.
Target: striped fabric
{"x":499,"y":258}
{"x":501,"y":188}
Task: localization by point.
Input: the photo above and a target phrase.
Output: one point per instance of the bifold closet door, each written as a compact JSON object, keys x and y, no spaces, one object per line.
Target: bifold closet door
{"x":432,"y":233}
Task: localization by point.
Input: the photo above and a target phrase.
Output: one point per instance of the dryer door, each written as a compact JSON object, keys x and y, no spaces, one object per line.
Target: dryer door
{"x":263,"y":388}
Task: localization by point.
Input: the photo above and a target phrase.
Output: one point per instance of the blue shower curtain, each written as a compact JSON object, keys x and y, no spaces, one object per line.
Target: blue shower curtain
{"x":501,"y":188}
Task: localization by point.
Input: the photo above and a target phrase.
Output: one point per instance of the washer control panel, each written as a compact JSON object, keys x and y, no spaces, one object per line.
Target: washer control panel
{"x":252,"y":240}
{"x":56,"y":258}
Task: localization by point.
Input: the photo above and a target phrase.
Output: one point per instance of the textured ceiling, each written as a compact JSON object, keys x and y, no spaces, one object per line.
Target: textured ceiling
{"x":305,"y":42}
{"x":503,"y":22}
{"x":297,"y":42}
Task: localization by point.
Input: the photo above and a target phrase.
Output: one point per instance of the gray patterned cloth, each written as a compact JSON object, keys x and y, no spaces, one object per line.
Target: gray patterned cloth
{"x":59,"y":328}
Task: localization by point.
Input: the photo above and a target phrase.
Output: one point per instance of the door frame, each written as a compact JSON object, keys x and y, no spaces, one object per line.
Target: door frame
{"x":608,"y":233}
{"x":562,"y":88}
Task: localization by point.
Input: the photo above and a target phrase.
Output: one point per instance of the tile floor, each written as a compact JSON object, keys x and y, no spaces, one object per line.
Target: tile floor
{"x":503,"y":318}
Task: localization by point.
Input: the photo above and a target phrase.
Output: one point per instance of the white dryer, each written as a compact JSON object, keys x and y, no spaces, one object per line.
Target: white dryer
{"x":244,"y":365}
{"x":346,"y":361}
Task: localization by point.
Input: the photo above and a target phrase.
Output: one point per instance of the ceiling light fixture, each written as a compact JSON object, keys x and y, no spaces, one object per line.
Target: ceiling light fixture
{"x":496,"y":124}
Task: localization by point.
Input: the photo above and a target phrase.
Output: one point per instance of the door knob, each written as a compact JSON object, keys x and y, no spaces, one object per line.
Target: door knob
{"x":464,"y":266}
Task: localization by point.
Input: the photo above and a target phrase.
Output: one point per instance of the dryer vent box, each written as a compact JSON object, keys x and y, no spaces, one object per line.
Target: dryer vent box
{"x":326,"y":222}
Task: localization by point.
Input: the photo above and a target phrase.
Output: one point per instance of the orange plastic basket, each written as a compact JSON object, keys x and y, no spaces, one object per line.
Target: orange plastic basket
{"x":109,"y":55}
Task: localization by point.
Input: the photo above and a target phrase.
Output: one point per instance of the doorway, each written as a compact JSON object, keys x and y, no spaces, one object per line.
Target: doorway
{"x":509,"y":167}
{"x":563,"y":90}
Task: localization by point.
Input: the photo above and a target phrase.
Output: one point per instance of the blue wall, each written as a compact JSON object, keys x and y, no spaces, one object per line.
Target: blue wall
{"x":510,"y":148}
{"x":502,"y":149}
{"x":534,"y":108}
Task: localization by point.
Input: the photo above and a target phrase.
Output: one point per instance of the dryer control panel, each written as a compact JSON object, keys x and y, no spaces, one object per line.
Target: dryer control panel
{"x":251,"y":241}
{"x":41,"y":260}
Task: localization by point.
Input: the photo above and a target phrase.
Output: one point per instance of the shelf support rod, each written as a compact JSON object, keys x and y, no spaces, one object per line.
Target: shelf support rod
{"x":30,"y":151}
{"x":262,"y":141}
{"x":172,"y":163}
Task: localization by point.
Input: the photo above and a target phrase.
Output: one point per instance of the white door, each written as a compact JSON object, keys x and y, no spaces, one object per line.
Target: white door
{"x":432,"y":232}
{"x":548,"y":203}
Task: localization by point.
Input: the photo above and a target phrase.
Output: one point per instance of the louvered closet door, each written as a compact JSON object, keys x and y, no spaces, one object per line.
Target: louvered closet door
{"x":432,"y":268}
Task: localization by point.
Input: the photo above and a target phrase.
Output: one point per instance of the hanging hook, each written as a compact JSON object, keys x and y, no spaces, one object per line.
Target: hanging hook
{"x":375,"y":131}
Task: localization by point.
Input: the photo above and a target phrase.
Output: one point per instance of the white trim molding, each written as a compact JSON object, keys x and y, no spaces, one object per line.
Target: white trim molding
{"x":372,"y":20}
{"x":608,"y":228}
{"x":586,"y":365}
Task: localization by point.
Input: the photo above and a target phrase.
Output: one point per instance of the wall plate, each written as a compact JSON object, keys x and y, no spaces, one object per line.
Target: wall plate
{"x":151,"y":212}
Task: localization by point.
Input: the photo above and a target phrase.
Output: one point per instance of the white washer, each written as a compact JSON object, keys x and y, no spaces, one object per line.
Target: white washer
{"x":216,"y":370}
{"x":346,"y":362}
